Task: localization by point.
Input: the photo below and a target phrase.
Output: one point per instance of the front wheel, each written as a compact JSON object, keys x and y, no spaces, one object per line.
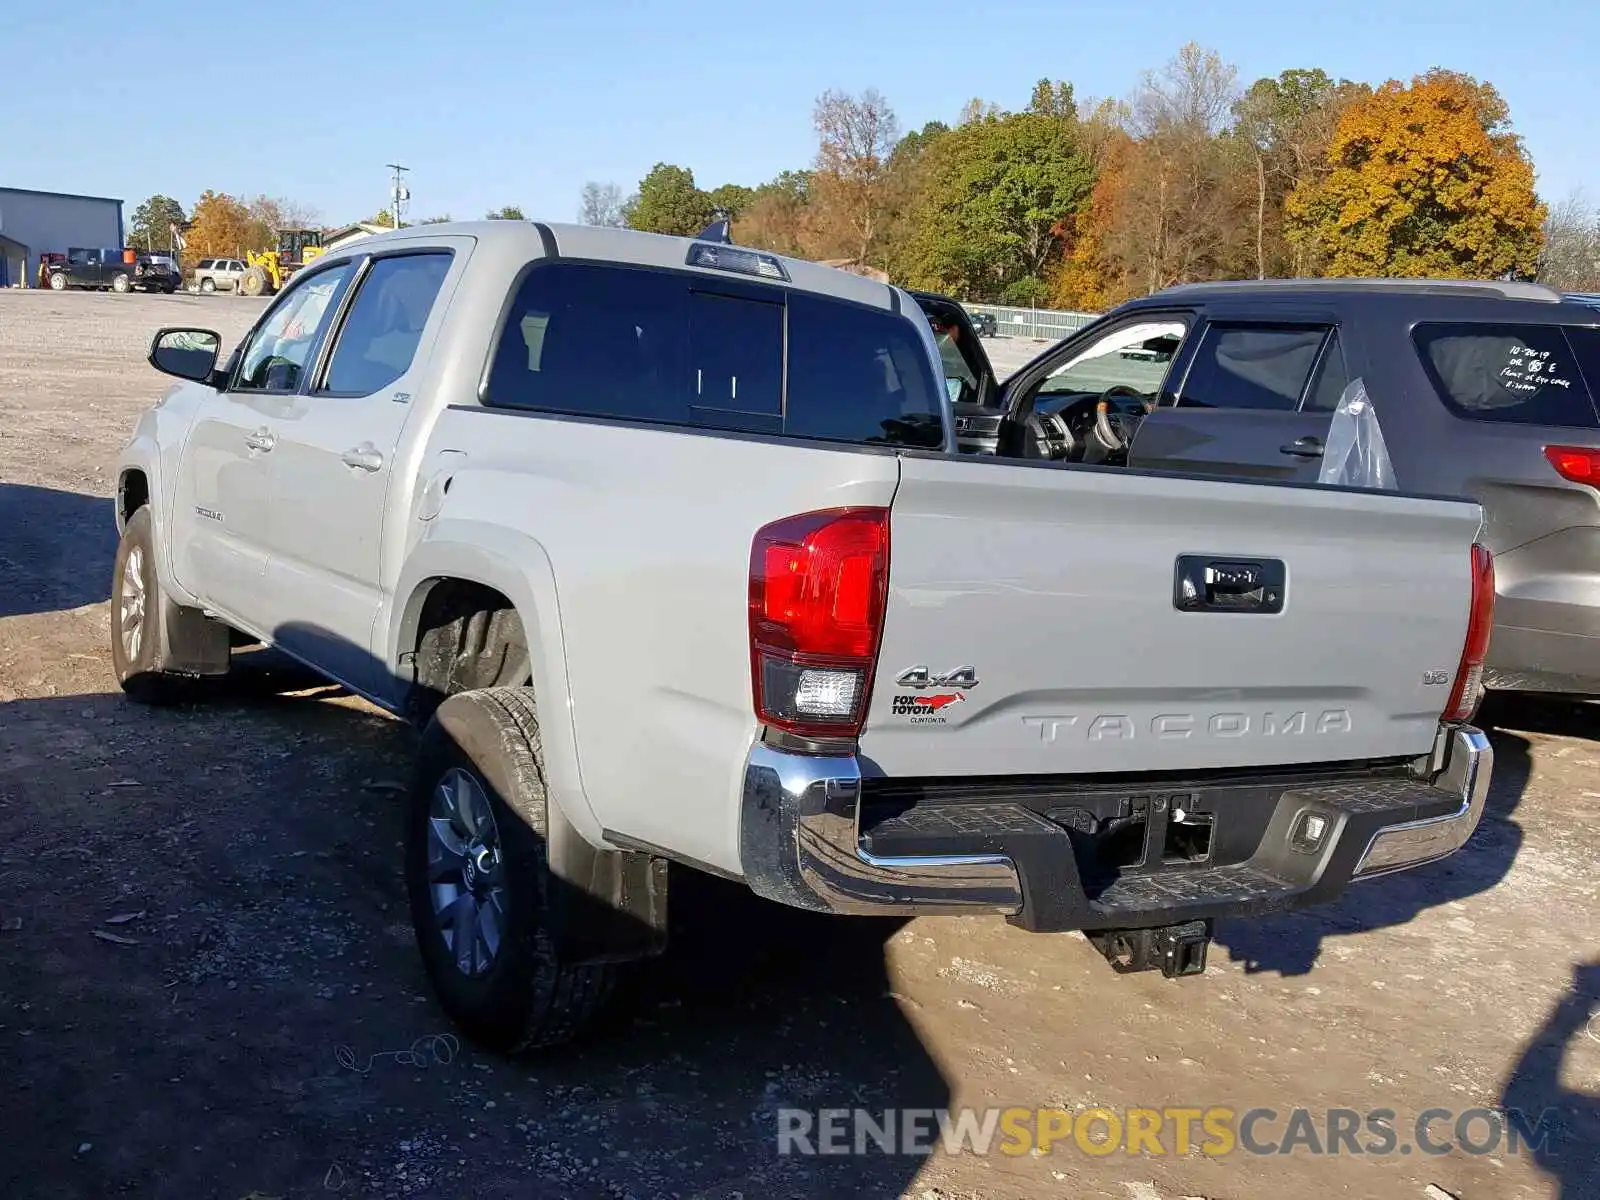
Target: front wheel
{"x":480,"y":886}
{"x":119,"y":283}
{"x":58,"y":282}
{"x":137,"y":607}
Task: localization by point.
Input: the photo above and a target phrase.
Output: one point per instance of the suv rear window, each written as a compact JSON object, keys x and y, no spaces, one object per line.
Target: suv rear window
{"x":687,"y":349}
{"x":1523,"y":374}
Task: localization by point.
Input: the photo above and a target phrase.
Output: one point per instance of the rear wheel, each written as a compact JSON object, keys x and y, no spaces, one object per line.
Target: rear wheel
{"x":58,"y":282}
{"x":208,"y":285}
{"x":254,"y":282}
{"x":119,"y":283}
{"x":479,"y":880}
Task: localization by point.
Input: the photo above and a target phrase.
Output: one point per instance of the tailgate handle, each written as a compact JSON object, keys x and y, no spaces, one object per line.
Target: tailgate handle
{"x":1206,"y":583}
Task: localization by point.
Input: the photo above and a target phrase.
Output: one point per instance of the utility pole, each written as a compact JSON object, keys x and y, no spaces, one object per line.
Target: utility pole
{"x":399,"y":194}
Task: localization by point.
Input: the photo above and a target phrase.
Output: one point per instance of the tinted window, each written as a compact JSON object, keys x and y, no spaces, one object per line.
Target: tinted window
{"x":281,"y":345}
{"x":859,"y":375}
{"x":1333,"y":376}
{"x":736,"y":360}
{"x":1251,"y":367}
{"x":599,"y":341}
{"x":203,"y":265}
{"x":385,"y":324}
{"x":1526,"y":374}
{"x":652,"y":345}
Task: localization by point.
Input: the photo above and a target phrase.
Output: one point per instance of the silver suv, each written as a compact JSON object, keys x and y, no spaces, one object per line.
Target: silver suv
{"x":218,"y":274}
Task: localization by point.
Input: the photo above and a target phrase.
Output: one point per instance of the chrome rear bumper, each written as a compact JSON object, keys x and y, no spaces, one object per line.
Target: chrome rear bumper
{"x":802,"y":844}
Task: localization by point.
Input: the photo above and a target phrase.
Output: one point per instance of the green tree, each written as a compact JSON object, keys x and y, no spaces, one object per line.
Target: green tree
{"x":509,"y":213}
{"x":442,"y":219}
{"x":383,"y":217}
{"x":153,"y":220}
{"x":999,"y":194}
{"x":732,"y":198}
{"x":669,"y":202}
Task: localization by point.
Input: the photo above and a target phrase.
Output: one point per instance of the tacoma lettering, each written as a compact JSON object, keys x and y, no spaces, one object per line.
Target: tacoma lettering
{"x":1180,"y":726}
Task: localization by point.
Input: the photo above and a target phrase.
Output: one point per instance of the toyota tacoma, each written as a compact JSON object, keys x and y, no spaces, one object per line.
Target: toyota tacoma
{"x":668,"y":549}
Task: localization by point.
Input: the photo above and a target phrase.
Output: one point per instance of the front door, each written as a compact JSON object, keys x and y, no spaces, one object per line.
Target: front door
{"x":1255,"y":403}
{"x":335,"y":460}
{"x":226,"y":485}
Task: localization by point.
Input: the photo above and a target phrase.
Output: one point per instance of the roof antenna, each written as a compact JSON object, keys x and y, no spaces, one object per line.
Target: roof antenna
{"x":720,"y":230}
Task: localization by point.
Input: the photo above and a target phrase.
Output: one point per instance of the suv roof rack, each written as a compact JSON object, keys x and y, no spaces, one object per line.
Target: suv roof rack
{"x":1503,"y":289}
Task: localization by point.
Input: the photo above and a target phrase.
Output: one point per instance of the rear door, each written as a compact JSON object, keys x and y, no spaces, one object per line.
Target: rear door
{"x":1254,"y":402}
{"x":1056,"y":619}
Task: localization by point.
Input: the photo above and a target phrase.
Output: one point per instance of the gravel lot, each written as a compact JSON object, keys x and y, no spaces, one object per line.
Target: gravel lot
{"x":208,"y":985}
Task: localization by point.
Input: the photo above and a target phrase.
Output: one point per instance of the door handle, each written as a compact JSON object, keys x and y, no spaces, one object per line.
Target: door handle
{"x":1306,"y":447}
{"x":364,"y":457}
{"x":261,"y":439}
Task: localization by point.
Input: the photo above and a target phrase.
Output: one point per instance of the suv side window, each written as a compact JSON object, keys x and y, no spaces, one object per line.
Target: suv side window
{"x":203,"y":265}
{"x":380,"y":333}
{"x":1135,"y":356}
{"x":1251,"y":366}
{"x":1333,"y":376}
{"x":1521,"y":374}
{"x":279,"y":349}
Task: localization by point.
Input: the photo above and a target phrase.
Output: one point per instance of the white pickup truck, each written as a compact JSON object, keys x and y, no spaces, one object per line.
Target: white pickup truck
{"x":667,"y":547}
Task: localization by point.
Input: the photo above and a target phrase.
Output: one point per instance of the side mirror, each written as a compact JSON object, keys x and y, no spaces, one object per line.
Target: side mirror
{"x":186,"y":353}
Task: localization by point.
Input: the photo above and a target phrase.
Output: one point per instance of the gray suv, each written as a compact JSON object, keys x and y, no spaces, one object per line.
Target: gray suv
{"x":1486,"y":390}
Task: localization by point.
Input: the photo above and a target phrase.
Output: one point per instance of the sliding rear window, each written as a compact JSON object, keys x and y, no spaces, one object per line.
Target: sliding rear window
{"x":1515,"y":374}
{"x":687,"y":349}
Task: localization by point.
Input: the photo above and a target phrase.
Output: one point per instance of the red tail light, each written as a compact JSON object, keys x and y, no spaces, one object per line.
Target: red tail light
{"x":1581,"y":464}
{"x":1468,"y":691}
{"x":817,"y":587}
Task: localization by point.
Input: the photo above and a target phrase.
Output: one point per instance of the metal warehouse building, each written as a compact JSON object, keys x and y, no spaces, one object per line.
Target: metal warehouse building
{"x":34,"y":223}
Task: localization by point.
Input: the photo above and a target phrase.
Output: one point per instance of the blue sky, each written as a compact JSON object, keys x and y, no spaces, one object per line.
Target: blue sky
{"x":493,"y":104}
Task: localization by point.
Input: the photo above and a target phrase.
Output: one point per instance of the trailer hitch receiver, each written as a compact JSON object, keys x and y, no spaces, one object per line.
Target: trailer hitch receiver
{"x":1175,"y":950}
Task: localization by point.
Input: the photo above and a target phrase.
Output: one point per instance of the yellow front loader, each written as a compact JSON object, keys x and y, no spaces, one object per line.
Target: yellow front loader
{"x":271,"y":269}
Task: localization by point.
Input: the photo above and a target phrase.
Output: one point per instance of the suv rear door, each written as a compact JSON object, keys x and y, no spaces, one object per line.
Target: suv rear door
{"x":1252,"y":401}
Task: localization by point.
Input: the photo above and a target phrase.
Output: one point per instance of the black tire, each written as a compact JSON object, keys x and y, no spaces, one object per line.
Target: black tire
{"x":524,"y":998}
{"x":58,"y":282}
{"x":208,"y":285}
{"x":136,"y":660}
{"x":121,"y":283}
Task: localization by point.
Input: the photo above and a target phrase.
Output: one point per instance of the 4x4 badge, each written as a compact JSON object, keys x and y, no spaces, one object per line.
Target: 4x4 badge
{"x":921,"y":677}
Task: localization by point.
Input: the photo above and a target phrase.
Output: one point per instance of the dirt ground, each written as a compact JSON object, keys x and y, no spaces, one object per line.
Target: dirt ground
{"x":208,"y":986}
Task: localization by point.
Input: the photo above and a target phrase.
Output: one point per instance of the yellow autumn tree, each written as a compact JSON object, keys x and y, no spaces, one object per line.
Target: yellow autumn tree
{"x":1425,"y":180}
{"x":221,"y":226}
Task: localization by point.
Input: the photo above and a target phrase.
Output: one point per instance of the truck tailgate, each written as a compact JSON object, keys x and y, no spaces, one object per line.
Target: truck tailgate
{"x":1059,"y":589}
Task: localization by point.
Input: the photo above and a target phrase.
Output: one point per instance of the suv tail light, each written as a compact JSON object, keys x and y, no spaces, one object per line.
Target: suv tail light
{"x":1580,"y":464}
{"x":1468,"y":691}
{"x":817,"y":587}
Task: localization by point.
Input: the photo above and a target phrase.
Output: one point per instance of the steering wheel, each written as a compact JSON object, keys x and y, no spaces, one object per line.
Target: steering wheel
{"x":1048,"y":436}
{"x":1117,"y":414}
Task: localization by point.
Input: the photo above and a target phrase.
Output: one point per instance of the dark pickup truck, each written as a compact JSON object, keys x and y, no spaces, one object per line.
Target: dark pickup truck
{"x":103,"y":270}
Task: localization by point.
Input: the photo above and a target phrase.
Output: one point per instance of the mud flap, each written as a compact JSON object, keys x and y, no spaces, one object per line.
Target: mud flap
{"x":191,"y":642}
{"x":613,"y":905}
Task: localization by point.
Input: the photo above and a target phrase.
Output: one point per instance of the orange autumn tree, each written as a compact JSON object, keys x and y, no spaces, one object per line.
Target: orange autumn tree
{"x":1087,"y":280}
{"x":1425,"y":180}
{"x":219,"y":227}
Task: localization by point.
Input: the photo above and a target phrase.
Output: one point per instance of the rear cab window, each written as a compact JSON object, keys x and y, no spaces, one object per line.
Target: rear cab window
{"x":685,"y":349}
{"x":1514,"y":373}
